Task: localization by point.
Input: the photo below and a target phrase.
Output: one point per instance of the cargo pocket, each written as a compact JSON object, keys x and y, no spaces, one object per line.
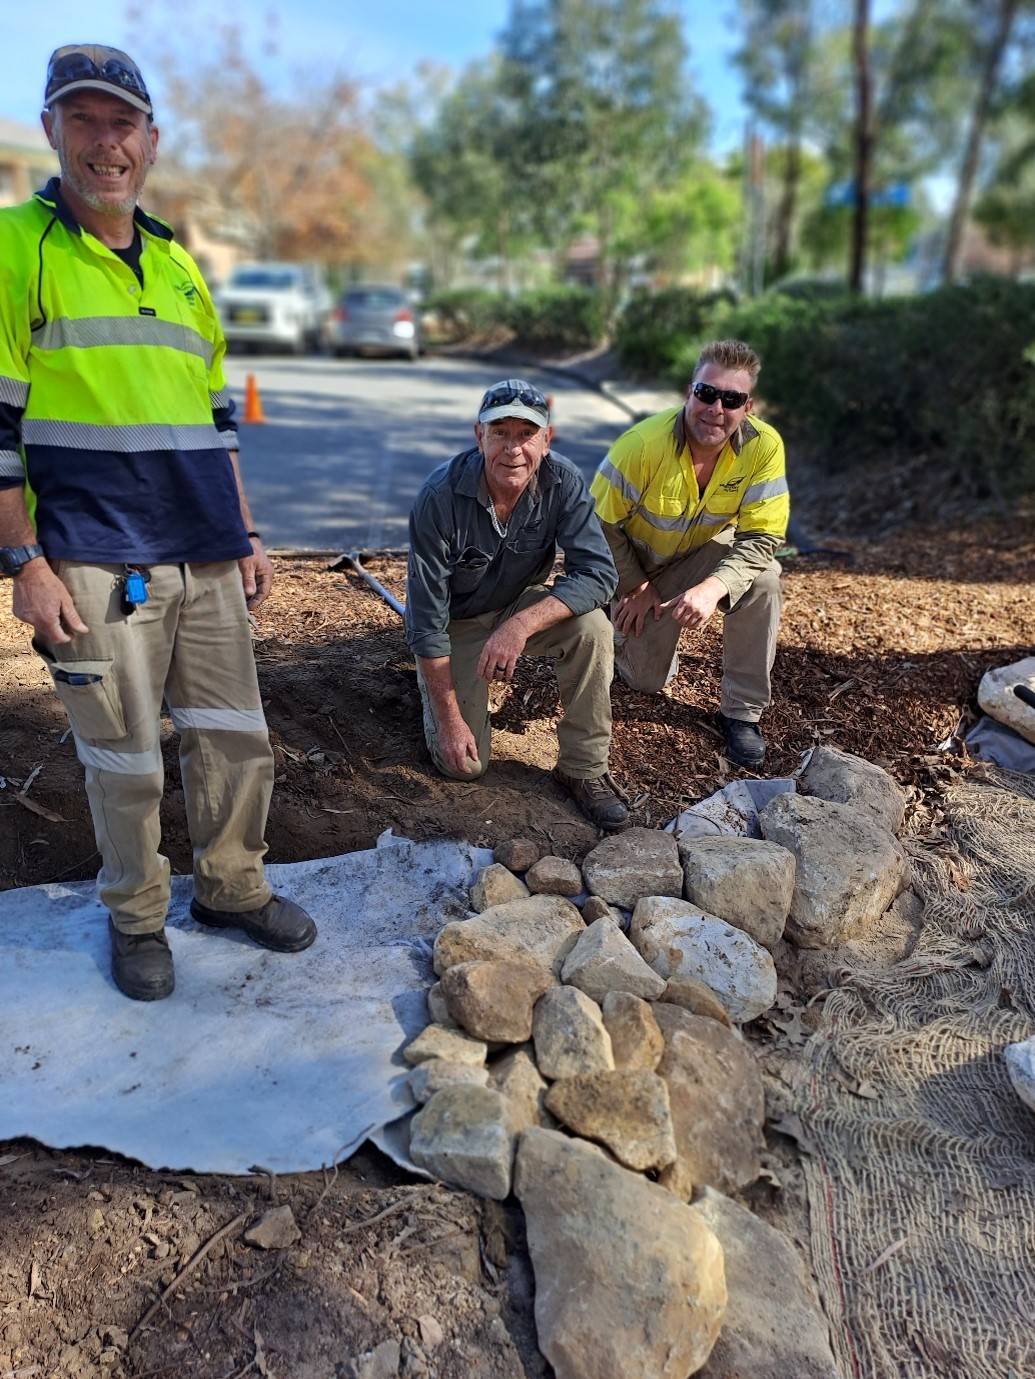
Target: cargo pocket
{"x":90,"y":696}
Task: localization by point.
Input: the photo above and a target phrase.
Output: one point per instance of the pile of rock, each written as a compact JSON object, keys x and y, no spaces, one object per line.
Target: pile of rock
{"x":589,"y":1061}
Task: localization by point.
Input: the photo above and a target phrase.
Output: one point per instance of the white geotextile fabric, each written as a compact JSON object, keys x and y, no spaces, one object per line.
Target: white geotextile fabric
{"x":732,"y":810}
{"x":281,"y":1060}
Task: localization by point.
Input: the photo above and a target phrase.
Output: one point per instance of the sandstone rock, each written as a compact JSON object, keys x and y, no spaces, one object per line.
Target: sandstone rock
{"x":380,"y":1363}
{"x":542,"y":927}
{"x":636,"y":1040}
{"x":274,"y":1230}
{"x":847,"y":779}
{"x":678,"y":940}
{"x":495,"y":886}
{"x":523,"y":1088}
{"x":569,"y":1035}
{"x":437,"y":1008}
{"x":431,"y":1333}
{"x":717,"y":1098}
{"x":493,"y":999}
{"x":518,"y":854}
{"x":746,"y":881}
{"x":695,"y":997}
{"x":628,"y":1281}
{"x":554,"y":876}
{"x":849,"y":869}
{"x":435,"y":1041}
{"x":604,"y":960}
{"x":638,"y":862}
{"x":597,"y":908}
{"x":462,"y":1136}
{"x":431,"y":1076}
{"x":627,"y":1112}
{"x":773,"y":1329}
{"x":996,"y":696}
{"x":1020,"y":1066}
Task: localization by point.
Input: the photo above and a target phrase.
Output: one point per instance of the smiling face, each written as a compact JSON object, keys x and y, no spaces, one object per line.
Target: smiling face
{"x":513,"y":449}
{"x":711,"y":425}
{"x":105,"y":148}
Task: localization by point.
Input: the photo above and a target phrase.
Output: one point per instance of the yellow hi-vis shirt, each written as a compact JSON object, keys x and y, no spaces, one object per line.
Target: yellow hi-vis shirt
{"x":647,"y":489}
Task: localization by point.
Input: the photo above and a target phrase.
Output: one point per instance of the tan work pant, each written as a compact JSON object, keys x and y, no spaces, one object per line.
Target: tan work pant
{"x":190,"y":644}
{"x":582,"y":651}
{"x":649,"y":661}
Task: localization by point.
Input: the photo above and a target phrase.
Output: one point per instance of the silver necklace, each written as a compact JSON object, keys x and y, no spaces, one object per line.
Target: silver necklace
{"x":497,"y":526}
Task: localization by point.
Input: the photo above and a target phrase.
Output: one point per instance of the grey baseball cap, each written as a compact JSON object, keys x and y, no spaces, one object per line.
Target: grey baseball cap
{"x":514,"y":397}
{"x":95,"y":67}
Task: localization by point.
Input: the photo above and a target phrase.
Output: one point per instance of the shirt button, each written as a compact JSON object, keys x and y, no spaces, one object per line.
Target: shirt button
{"x":133,"y":290}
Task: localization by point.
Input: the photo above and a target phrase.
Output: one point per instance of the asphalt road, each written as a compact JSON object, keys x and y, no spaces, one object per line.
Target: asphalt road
{"x":347,"y":443}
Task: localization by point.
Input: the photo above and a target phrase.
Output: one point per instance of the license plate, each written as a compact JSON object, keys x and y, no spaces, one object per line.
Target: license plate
{"x":247,"y":315}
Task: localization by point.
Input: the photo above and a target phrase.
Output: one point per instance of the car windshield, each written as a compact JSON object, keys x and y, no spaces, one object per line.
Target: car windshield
{"x":276,"y":278}
{"x":374,"y":298}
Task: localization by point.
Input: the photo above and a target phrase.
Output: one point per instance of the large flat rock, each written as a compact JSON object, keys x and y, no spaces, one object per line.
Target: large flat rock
{"x":463,"y":1136}
{"x":849,"y":868}
{"x":640,"y":861}
{"x":717,"y":1098}
{"x":569,"y":1035}
{"x":627,"y":1111}
{"x":604,"y":960}
{"x":773,"y":1327}
{"x":628,"y":1280}
{"x":679,"y":939}
{"x":493,"y":1000}
{"x":540,"y":927}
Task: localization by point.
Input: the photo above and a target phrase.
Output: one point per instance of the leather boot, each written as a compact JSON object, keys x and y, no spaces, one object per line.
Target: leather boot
{"x":280,"y":924}
{"x":599,"y":799}
{"x":744,"y":741}
{"x":141,"y":964}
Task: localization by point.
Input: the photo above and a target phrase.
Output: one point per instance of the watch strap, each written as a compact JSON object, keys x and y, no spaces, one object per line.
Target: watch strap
{"x":12,"y":558}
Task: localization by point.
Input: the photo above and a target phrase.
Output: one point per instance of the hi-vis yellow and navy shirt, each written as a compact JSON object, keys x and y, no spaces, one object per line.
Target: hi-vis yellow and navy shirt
{"x":113,"y":402}
{"x":652,"y":511}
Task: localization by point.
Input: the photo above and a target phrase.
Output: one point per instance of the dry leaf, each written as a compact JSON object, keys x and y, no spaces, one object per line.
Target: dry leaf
{"x":35,"y":808}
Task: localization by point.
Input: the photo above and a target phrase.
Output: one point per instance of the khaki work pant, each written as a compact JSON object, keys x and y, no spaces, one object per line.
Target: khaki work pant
{"x":582,"y":651}
{"x":189,"y":644}
{"x":648,"y":662}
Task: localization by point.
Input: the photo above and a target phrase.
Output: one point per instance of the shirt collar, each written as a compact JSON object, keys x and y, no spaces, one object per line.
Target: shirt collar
{"x":51,"y":196}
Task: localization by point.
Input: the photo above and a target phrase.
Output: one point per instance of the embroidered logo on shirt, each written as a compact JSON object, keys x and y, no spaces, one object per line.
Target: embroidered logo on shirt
{"x":731,"y":485}
{"x":189,"y":291}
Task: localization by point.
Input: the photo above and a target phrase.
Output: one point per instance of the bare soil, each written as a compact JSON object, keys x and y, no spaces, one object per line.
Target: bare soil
{"x":880,"y":653}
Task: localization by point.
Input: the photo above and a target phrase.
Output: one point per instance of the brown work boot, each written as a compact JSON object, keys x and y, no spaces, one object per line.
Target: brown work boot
{"x":280,"y":924}
{"x":600,"y":799}
{"x":141,"y":964}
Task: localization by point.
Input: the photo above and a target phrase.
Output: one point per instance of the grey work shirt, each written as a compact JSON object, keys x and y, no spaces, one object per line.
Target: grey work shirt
{"x":460,"y":566}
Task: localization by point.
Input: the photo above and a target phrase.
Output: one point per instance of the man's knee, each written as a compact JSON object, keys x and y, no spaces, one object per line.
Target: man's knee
{"x":474,"y":773}
{"x":764,"y":588}
{"x":645,"y":679}
{"x":594,"y":629}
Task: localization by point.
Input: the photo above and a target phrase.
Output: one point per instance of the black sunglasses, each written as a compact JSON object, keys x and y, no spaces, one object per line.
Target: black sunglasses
{"x":528,"y":397}
{"x":80,"y":67}
{"x":730,"y":400}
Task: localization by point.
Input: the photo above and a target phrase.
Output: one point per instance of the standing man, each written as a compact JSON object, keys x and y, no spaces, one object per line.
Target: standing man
{"x":694,"y":505}
{"x":484,"y":532}
{"x":137,"y":573}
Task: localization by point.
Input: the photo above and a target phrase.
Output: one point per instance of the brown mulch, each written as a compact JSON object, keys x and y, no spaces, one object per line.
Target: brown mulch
{"x":880,"y":654}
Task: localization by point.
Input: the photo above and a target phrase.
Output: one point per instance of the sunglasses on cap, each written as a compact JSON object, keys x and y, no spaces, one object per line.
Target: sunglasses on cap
{"x":71,"y":65}
{"x":505,"y":394}
{"x":706,"y":393}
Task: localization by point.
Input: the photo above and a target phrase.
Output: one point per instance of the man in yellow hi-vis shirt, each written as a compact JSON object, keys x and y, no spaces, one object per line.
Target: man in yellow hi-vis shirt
{"x":137,"y":574}
{"x":694,"y":505}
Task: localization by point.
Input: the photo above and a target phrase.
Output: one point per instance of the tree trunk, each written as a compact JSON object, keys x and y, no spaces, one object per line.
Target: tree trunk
{"x":863,"y":144}
{"x":975,"y":138}
{"x":787,"y":208}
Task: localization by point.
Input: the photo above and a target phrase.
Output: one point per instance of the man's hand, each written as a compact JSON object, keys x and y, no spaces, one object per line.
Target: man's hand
{"x":457,"y":745}
{"x":256,"y":574}
{"x":500,"y":653}
{"x":694,"y":607}
{"x":41,"y":599}
{"x":634,"y":609}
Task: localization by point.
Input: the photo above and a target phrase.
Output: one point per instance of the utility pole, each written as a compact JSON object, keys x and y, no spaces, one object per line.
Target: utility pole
{"x":863,"y":144}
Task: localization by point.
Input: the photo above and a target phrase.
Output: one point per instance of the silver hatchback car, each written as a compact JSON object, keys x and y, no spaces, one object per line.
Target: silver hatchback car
{"x":375,"y":317}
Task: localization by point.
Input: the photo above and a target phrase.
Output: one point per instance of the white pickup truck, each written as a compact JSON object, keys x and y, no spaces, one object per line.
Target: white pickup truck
{"x":276,"y":305}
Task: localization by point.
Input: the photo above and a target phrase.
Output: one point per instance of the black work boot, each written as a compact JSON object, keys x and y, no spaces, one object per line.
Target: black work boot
{"x":280,"y":924}
{"x":141,"y":964}
{"x":744,"y":741}
{"x":600,"y":799}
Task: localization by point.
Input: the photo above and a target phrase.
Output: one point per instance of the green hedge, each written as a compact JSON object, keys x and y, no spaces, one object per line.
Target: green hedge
{"x":652,"y":329}
{"x":942,"y":376}
{"x":558,"y":318}
{"x":465,"y":311}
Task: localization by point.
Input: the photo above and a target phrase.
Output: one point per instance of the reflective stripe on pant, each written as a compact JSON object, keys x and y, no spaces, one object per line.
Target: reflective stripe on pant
{"x":189,"y":644}
{"x":649,"y":661}
{"x":582,"y":651}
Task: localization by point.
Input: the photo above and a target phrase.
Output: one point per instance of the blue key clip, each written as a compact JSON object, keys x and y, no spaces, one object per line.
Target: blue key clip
{"x":135,"y":587}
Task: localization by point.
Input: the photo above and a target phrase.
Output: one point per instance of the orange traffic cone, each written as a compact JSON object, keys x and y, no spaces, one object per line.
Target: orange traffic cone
{"x":252,"y":401}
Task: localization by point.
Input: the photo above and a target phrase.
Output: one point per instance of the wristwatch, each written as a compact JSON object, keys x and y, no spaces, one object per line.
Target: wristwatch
{"x":12,"y":558}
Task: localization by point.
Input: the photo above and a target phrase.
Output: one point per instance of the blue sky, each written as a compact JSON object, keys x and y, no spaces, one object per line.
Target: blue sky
{"x":378,"y":41}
